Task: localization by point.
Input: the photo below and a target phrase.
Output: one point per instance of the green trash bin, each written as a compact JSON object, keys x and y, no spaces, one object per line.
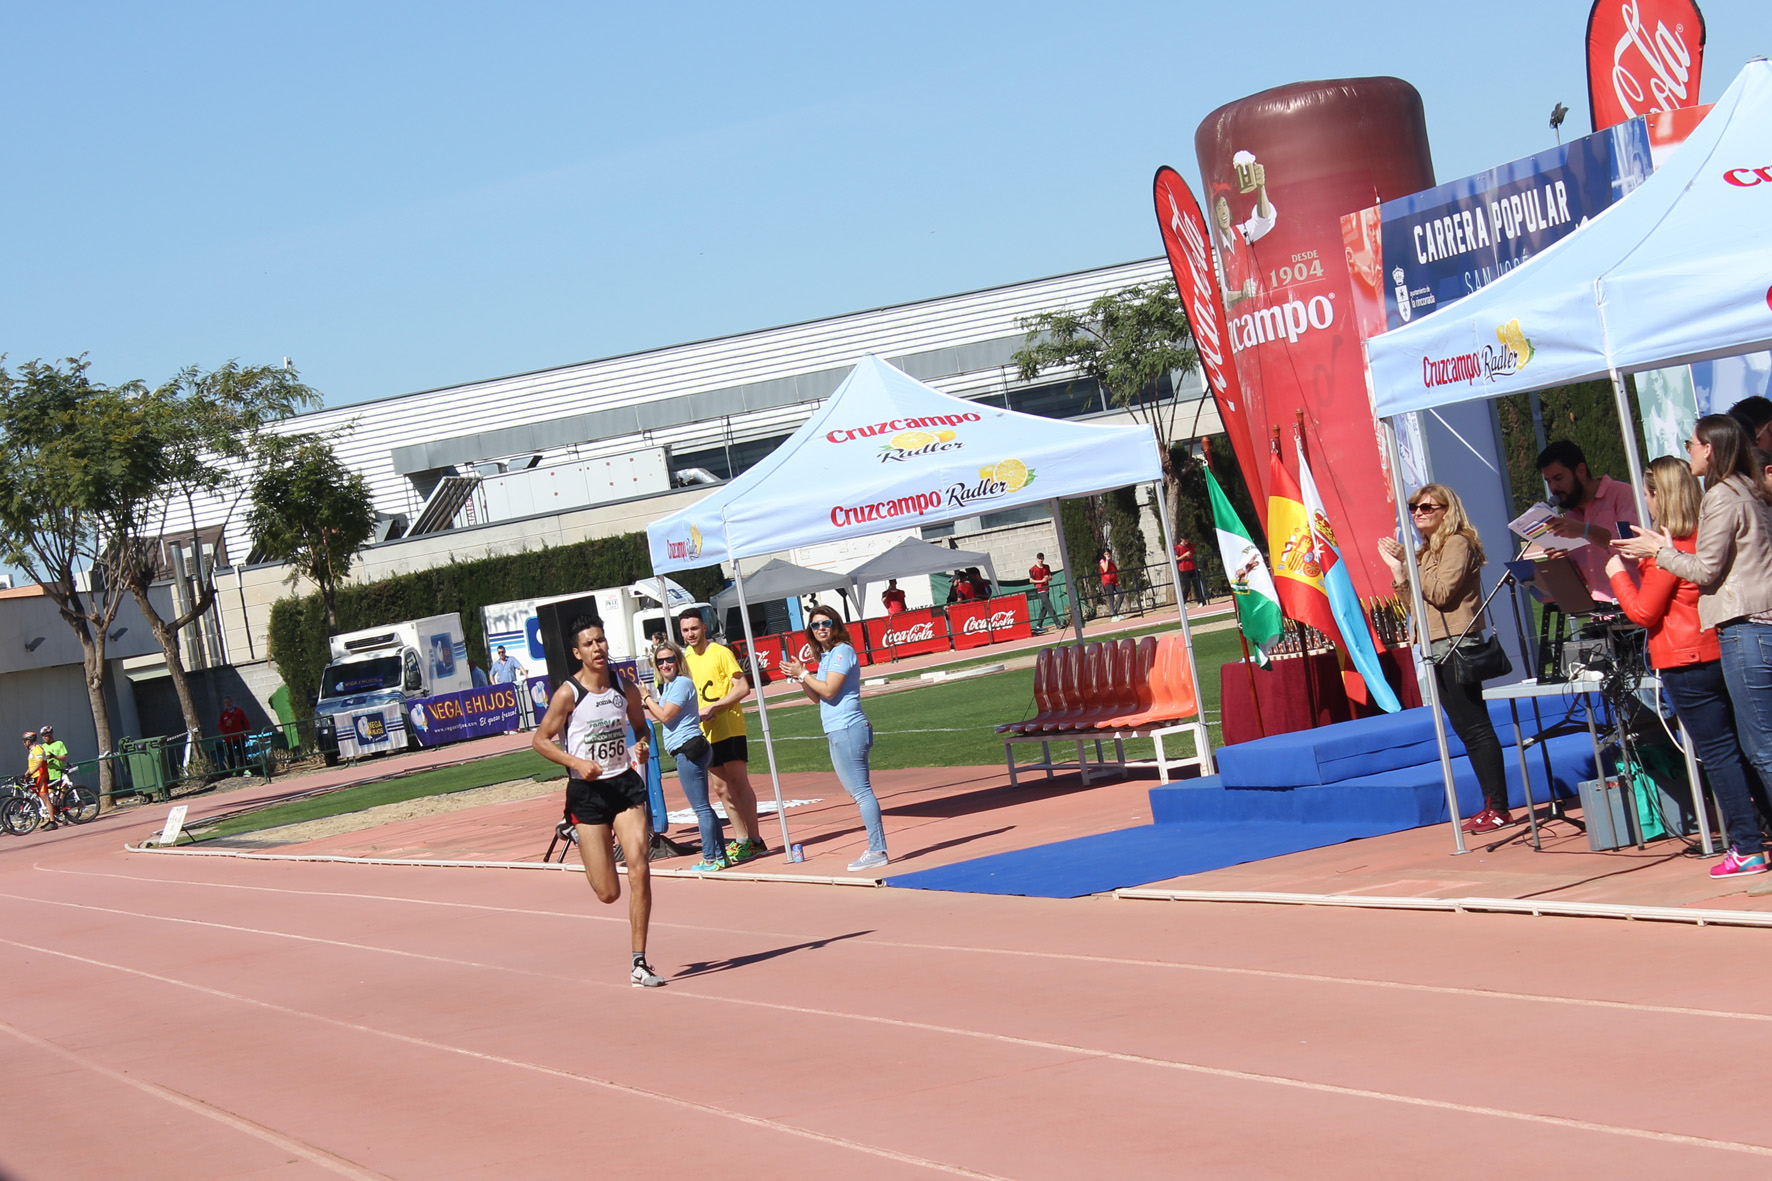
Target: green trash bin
{"x":147,"y":777}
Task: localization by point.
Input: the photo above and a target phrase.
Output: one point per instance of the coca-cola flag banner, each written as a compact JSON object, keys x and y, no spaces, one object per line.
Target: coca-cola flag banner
{"x":1188,"y":244}
{"x":1643,"y":56}
{"x":975,"y":624}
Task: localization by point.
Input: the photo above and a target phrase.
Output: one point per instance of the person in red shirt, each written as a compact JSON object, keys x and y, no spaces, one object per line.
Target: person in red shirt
{"x":893,"y":597}
{"x":1687,"y":654}
{"x":1040,"y":574}
{"x":233,"y":725}
{"x":1110,"y":581}
{"x":962,"y":590}
{"x":1189,"y":575}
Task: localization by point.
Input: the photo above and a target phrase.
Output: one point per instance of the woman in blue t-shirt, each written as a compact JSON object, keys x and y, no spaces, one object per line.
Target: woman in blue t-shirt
{"x":838,"y":693}
{"x":675,"y":708}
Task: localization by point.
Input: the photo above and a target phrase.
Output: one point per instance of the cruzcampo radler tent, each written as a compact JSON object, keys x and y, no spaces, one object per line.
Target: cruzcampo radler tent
{"x":1679,"y":270}
{"x":885,"y":453}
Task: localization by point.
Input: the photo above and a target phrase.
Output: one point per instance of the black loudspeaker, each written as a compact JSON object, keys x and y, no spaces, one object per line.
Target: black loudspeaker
{"x":552,"y":620}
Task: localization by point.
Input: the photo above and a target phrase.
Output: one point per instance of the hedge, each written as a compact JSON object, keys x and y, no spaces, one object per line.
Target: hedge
{"x":298,"y":639}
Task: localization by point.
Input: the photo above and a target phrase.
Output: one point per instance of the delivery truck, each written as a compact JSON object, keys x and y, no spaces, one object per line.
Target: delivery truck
{"x":375,"y":672}
{"x":630,"y":614}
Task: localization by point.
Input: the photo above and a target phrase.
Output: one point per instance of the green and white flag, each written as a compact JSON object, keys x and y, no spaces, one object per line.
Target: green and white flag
{"x":1252,"y":586}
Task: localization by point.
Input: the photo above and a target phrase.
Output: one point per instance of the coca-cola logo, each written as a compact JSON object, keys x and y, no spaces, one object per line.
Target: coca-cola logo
{"x":975,"y":625}
{"x":1664,"y":57}
{"x":915,"y":634}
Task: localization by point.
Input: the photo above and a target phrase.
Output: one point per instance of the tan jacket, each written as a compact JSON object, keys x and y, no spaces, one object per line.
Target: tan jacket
{"x":1452,"y":584}
{"x":1732,"y":561}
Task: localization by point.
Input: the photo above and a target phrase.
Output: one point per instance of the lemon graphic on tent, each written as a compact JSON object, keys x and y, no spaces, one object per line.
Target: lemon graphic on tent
{"x":695,"y":540}
{"x":944,"y":436}
{"x":1514,"y":338}
{"x":1011,"y":472}
{"x":911,"y":440}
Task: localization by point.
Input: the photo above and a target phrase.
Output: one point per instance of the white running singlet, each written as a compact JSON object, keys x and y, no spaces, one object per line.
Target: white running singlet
{"x":597,"y":731}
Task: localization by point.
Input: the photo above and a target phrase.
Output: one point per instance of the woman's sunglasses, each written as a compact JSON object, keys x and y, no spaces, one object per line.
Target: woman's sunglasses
{"x":823,"y":623}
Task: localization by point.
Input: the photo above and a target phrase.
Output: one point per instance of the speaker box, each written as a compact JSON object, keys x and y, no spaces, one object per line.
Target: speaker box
{"x":553,"y":619}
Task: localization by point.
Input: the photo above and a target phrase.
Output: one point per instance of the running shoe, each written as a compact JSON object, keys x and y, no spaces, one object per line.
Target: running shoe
{"x":644,"y":977}
{"x":1736,"y":865}
{"x":705,"y":865}
{"x":1490,"y":821}
{"x":1471,"y":824}
{"x":737,"y":851}
{"x":868,"y":860}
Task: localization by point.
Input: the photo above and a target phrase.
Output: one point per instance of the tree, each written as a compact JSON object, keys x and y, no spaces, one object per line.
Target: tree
{"x":311,"y":511}
{"x":1128,"y":341}
{"x":75,"y":453}
{"x":205,"y":430}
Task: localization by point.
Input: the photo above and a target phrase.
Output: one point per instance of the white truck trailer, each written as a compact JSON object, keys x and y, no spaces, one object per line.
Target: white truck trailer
{"x":629,"y":614}
{"x":375,"y":672}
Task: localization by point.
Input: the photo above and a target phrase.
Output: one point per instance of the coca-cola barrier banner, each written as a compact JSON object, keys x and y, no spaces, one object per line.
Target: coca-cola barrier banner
{"x":1279,"y":169}
{"x":1643,"y":56}
{"x":909,"y":633}
{"x":992,"y":622}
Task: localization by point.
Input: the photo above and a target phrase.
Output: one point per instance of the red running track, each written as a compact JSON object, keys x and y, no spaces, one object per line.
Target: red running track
{"x":192,"y":1018}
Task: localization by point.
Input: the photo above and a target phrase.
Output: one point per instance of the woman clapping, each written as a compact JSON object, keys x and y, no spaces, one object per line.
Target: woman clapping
{"x":837,"y":689}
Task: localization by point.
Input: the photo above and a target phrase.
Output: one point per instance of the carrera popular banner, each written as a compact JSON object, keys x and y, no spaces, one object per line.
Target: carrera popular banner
{"x":1441,"y":244}
{"x":1279,"y":169}
{"x":1643,"y":56}
{"x":1187,"y":243}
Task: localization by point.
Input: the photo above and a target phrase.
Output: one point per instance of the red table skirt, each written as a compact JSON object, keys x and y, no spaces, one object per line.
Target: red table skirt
{"x":1299,"y":693}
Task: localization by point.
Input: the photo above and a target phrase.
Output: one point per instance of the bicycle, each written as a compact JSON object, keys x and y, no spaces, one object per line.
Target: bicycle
{"x":23,"y":810}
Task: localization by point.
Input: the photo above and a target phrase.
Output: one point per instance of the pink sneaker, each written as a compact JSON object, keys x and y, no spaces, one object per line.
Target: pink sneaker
{"x":1735,"y":865}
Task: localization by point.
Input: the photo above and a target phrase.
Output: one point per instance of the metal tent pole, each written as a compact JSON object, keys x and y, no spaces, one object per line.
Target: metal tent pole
{"x":1070,"y":573}
{"x":1208,"y":766}
{"x":750,"y":649}
{"x":1423,"y":647}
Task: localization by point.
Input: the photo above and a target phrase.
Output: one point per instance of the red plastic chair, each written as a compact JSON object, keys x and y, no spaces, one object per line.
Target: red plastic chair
{"x":1074,"y":683}
{"x":1136,"y":659}
{"x":1043,"y":700}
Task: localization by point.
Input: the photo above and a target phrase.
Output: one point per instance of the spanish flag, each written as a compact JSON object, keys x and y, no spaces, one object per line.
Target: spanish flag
{"x":1292,"y":552}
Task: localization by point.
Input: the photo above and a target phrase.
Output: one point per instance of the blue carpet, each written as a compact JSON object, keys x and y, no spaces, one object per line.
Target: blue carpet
{"x":1110,"y":860}
{"x":1275,"y":804}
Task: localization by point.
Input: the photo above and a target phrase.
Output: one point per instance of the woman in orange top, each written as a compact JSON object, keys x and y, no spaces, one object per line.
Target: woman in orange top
{"x":1686,"y":654}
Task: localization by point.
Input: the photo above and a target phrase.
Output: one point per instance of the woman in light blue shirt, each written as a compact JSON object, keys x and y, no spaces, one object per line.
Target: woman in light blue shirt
{"x":675,"y":708}
{"x":837,"y":689}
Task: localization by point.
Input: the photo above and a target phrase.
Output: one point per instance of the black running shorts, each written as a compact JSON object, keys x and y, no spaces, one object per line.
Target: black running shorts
{"x":730,"y":750}
{"x":600,"y":801}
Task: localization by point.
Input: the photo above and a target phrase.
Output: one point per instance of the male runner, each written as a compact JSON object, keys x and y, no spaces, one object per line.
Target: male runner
{"x":721,"y":687}
{"x":605,"y":796}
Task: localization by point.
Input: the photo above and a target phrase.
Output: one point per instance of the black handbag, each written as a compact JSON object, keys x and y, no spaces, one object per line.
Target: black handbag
{"x":1472,"y":664}
{"x":1475,"y":663}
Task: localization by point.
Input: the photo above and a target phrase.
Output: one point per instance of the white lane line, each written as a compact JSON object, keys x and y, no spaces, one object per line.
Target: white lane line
{"x":307,"y":1152}
{"x":536,"y":1067}
{"x":1122,"y":961}
{"x":1086,"y":1052}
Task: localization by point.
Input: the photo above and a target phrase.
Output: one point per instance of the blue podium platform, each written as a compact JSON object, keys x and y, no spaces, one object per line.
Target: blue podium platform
{"x":1273,"y":796}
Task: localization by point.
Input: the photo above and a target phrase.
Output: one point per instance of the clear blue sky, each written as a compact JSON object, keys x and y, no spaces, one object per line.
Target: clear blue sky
{"x":407,"y":196}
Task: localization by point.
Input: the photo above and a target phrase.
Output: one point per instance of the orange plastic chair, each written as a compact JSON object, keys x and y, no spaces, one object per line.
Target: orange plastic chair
{"x":1110,"y":685}
{"x":1164,"y":704}
{"x":1138,"y":655}
{"x":1074,"y":680}
{"x":1042,"y":694}
{"x":1178,"y":684}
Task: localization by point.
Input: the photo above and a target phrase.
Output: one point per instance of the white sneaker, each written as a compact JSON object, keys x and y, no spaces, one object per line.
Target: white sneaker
{"x":644,"y":977}
{"x":869,"y":860}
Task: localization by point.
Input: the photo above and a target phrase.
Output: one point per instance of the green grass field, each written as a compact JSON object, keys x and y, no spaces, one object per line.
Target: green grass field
{"x":935,"y":725}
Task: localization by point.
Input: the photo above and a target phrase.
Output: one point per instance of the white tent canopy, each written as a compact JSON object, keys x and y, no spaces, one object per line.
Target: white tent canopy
{"x":1677,"y":271}
{"x":780,"y":579}
{"x":910,"y":557}
{"x":886,"y":452}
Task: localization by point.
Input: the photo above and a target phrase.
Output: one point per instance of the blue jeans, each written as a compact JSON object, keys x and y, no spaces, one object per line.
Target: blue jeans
{"x":1703,"y":701}
{"x":693,"y":776}
{"x":1747,"y":669}
{"x":849,"y":758}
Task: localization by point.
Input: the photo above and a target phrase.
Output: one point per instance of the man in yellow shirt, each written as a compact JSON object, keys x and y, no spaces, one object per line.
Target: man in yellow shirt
{"x":721,"y":687}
